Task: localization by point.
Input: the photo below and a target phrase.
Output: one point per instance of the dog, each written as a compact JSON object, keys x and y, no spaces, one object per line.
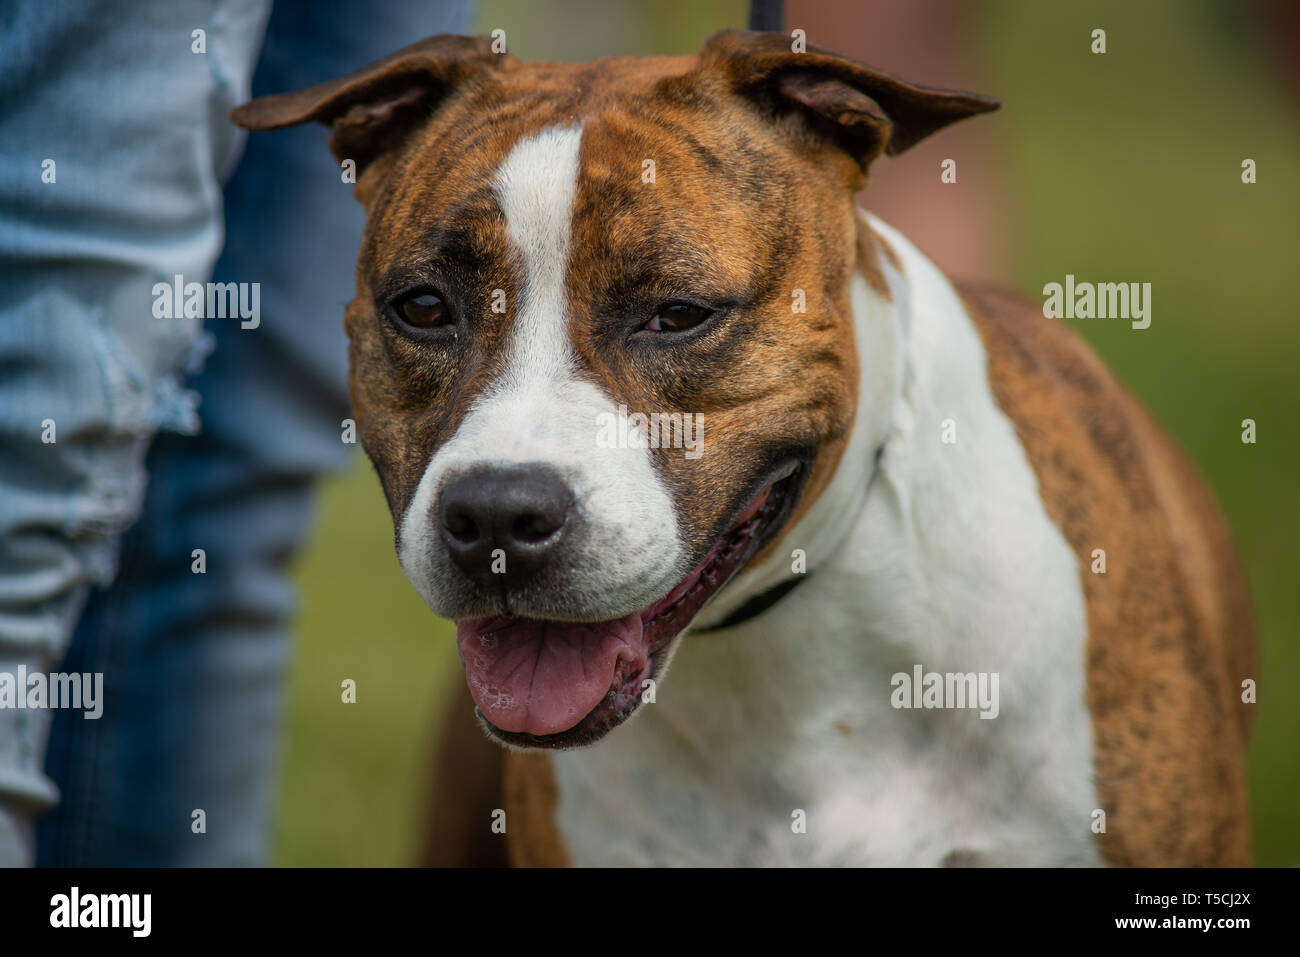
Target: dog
{"x":877,"y":578}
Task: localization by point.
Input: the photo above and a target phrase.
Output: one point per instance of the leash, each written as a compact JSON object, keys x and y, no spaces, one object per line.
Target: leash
{"x":768,"y":15}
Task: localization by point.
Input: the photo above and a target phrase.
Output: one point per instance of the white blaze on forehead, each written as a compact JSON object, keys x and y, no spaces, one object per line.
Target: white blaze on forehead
{"x":541,"y":413}
{"x":535,"y":188}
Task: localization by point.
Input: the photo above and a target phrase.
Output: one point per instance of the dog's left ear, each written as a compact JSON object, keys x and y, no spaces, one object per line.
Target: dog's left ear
{"x":863,"y":111}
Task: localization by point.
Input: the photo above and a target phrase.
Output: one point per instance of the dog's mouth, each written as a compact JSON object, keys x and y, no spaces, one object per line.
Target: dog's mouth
{"x":556,"y":684}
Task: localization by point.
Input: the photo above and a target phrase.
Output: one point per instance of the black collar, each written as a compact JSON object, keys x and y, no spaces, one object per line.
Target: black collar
{"x":765,"y":600}
{"x":756,"y":605}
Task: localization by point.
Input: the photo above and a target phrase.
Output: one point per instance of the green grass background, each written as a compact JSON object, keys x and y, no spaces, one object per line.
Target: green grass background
{"x":1124,"y":166}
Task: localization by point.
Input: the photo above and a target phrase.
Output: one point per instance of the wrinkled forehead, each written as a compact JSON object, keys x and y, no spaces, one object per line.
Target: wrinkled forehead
{"x":639,"y":157}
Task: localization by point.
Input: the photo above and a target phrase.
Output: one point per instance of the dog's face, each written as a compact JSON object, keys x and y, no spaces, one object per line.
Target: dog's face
{"x":601,"y":351}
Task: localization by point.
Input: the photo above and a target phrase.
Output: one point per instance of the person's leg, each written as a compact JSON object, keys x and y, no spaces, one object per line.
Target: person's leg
{"x":198,"y":660}
{"x":114,"y":135}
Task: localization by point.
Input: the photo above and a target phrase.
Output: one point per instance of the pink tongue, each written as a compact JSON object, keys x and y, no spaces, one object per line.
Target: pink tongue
{"x":543,"y":677}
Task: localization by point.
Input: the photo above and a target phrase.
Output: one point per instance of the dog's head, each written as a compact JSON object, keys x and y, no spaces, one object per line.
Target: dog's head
{"x":602,"y":353}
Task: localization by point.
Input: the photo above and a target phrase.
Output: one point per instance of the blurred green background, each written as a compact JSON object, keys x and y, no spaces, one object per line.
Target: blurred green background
{"x":1125,"y":166}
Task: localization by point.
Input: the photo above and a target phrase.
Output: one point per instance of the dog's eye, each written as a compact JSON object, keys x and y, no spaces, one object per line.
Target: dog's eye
{"x":677,"y":317}
{"x":423,"y":310}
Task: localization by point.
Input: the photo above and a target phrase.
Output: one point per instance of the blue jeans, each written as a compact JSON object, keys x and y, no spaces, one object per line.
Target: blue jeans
{"x":98,"y":528}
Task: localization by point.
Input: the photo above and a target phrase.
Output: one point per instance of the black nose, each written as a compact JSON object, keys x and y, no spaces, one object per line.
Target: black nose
{"x":502,"y":526}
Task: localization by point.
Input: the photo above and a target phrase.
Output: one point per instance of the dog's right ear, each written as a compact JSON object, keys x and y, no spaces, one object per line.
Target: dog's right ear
{"x":373,"y":110}
{"x":863,"y":111}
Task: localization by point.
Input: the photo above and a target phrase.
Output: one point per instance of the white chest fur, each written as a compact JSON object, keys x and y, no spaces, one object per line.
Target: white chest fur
{"x":777,"y":742}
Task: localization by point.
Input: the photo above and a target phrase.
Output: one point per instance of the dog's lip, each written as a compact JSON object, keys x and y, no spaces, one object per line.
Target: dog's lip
{"x":664,"y":620}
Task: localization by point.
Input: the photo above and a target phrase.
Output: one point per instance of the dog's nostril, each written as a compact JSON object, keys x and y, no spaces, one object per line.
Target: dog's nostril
{"x":461,"y":526}
{"x":535,"y":528}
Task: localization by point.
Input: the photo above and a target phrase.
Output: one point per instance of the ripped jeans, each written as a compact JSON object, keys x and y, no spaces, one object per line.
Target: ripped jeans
{"x":122,"y":450}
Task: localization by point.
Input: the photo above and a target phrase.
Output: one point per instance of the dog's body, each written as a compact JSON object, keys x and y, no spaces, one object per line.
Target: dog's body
{"x":901,"y":478}
{"x":1126,"y":692}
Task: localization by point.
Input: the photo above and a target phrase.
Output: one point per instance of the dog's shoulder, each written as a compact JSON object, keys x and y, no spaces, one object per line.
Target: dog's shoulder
{"x":1171,"y":638}
{"x":465,"y":793}
{"x":477,"y":786}
{"x":530,"y":797}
